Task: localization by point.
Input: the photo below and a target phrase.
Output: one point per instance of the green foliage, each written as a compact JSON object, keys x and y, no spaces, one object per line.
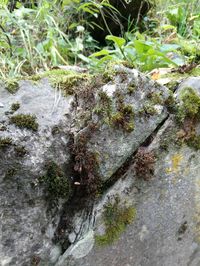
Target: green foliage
{"x":41,"y":37}
{"x":25,"y":121}
{"x":55,"y":32}
{"x":137,"y":51}
{"x":116,"y":218}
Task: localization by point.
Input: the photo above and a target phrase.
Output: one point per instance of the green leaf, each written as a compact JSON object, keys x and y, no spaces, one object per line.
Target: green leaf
{"x":100,"y":53}
{"x":117,"y":40}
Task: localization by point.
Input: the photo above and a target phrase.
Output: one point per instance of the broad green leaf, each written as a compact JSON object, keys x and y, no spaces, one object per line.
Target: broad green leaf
{"x":117,"y":40}
{"x":100,"y":53}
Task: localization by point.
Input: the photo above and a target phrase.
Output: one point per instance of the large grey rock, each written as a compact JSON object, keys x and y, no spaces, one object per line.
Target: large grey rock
{"x":166,"y":228}
{"x":26,"y":227}
{"x":113,"y":144}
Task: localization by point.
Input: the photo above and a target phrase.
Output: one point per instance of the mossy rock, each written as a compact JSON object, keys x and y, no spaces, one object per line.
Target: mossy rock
{"x":5,"y":142}
{"x":25,"y":121}
{"x":66,"y":80}
{"x":56,"y":181}
{"x":116,"y":217}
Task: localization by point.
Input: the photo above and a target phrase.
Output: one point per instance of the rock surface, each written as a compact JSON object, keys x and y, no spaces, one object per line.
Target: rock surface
{"x":37,"y":229}
{"x":26,"y":227}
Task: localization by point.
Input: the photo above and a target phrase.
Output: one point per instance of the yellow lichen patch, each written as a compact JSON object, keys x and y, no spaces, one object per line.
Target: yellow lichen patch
{"x":176,"y":160}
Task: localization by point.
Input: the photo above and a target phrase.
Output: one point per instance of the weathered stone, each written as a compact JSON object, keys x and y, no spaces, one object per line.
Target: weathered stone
{"x":112,"y":143}
{"x":165,"y":229}
{"x":27,"y":223}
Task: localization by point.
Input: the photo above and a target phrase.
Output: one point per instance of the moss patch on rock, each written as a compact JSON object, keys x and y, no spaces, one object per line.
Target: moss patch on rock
{"x":15,"y":106}
{"x":116,"y":218}
{"x":56,"y":181}
{"x":12,"y":86}
{"x":25,"y":121}
{"x":66,"y":80}
{"x":124,"y":118}
{"x":190,"y":104}
{"x":5,"y":142}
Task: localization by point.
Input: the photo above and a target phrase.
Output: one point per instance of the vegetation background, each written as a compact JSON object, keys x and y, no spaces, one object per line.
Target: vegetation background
{"x":40,"y":35}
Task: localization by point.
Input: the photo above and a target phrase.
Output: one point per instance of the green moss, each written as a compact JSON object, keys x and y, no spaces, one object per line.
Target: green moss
{"x":104,"y":106}
{"x":64,"y":79}
{"x":12,"y":86}
{"x":155,"y":98}
{"x":25,"y":121}
{"x":194,"y":142}
{"x":57,"y":183}
{"x":10,"y":172}
{"x":15,"y":106}
{"x":131,"y":89}
{"x":5,"y":142}
{"x":148,"y":109}
{"x":116,"y":218}
{"x":109,"y":73}
{"x":124,"y":118}
{"x":172,"y":85}
{"x":170,"y":102}
{"x":20,"y":151}
{"x":190,"y":104}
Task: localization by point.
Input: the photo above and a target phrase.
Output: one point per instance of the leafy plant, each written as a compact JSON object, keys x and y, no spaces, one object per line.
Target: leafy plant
{"x":139,"y":52}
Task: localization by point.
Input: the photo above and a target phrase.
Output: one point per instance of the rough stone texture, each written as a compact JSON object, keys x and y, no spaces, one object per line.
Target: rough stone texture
{"x":166,"y":229}
{"x":113,"y":145}
{"x":26,"y":227}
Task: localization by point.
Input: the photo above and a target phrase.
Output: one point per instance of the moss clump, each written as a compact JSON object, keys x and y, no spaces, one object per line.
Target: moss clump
{"x":155,"y":98}
{"x":10,"y":172}
{"x":25,"y":121}
{"x":104,"y":107}
{"x":5,"y":142}
{"x":116,"y":218}
{"x":190,"y":104}
{"x":189,"y":136}
{"x":57,"y":183}
{"x":64,"y":79}
{"x":124,"y":118}
{"x":170,"y":102}
{"x":86,"y":164}
{"x":20,"y":151}
{"x":194,"y":142}
{"x":12,"y":87}
{"x":131,"y":89}
{"x":144,"y":163}
{"x":109,"y":73}
{"x":148,"y":109}
{"x":15,"y":106}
